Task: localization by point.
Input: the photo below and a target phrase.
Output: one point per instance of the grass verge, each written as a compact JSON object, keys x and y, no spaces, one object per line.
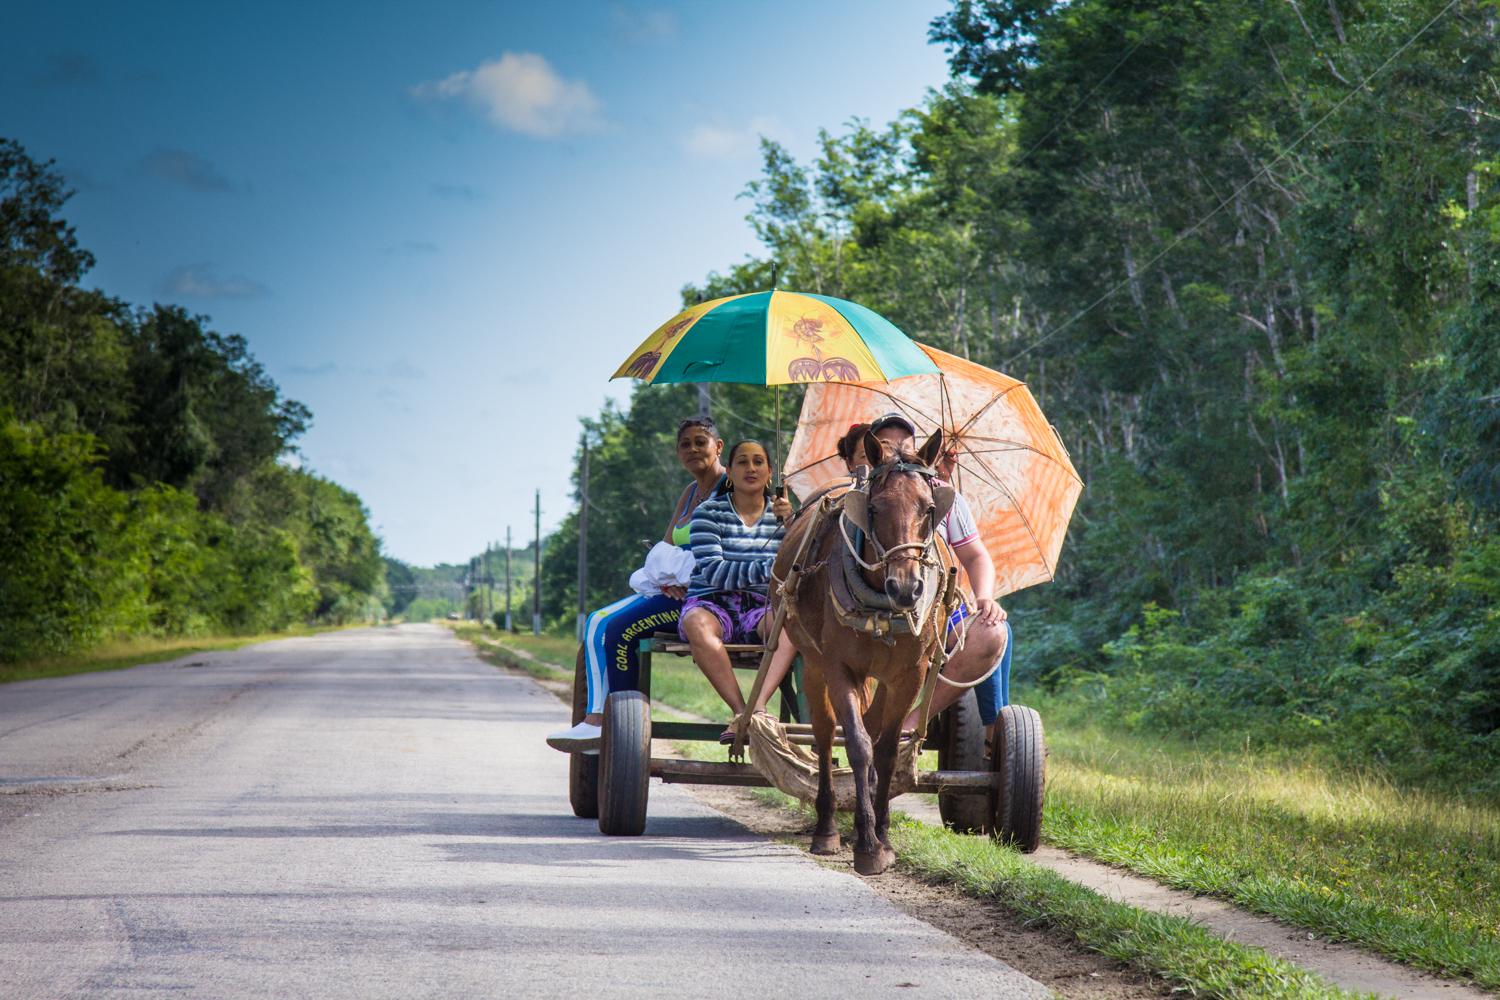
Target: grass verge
{"x":1195,"y":959}
{"x":1406,"y":873}
{"x":121,"y":653}
{"x":492,"y":647}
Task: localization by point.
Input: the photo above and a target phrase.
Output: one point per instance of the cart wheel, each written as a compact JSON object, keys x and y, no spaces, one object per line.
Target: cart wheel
{"x":625,"y":764}
{"x":962,"y":749}
{"x":583,"y":768}
{"x":1021,"y":757}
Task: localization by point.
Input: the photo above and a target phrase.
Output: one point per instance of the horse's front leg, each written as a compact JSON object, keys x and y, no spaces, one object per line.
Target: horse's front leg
{"x":887,"y":748}
{"x":871,"y":857}
{"x":826,"y":834}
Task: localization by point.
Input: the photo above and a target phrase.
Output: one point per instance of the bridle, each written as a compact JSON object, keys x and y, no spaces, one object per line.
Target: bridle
{"x":856,"y":511}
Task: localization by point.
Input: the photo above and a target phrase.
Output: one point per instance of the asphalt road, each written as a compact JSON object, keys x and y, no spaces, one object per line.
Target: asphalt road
{"x":374,"y":814}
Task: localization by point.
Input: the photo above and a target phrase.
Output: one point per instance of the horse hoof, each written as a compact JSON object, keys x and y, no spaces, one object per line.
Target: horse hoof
{"x":874,"y":862}
{"x":825,"y":845}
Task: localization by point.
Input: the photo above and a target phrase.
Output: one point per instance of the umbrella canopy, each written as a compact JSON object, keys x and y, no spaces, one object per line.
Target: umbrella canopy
{"x":776,"y":338}
{"x":1012,"y":467}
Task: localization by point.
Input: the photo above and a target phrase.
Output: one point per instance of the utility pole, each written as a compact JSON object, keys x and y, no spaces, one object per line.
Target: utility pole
{"x":507,"y":578}
{"x":536,"y":590}
{"x":488,"y":588}
{"x":583,"y":542}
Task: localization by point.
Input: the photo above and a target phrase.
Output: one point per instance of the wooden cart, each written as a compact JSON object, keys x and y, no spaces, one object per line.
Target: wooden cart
{"x":976,"y":794}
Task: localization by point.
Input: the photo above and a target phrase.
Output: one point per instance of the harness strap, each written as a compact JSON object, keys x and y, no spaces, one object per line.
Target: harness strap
{"x":742,"y":724}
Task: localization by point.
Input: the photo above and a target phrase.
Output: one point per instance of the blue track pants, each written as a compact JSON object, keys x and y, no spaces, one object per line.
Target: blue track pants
{"x":612,"y":640}
{"x":994,"y":693}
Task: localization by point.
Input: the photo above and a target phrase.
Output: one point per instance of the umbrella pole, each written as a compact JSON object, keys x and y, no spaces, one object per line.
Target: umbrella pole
{"x":776,"y":451}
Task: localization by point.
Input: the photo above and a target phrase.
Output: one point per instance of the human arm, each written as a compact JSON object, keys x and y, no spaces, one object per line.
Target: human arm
{"x":963,"y":535}
{"x":976,"y":561}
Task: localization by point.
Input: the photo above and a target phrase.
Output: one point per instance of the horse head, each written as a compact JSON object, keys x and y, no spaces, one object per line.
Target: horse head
{"x":902,"y":514}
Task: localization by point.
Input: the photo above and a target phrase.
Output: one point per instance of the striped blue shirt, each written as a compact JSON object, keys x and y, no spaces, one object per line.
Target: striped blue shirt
{"x":729,"y":556}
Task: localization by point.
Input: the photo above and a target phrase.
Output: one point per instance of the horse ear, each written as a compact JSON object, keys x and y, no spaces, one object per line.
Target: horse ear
{"x":873,"y":450}
{"x":942,"y":501}
{"x":932,"y":449}
{"x":857,"y":509}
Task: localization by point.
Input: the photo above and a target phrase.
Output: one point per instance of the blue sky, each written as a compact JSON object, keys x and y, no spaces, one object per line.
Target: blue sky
{"x":439,"y":225}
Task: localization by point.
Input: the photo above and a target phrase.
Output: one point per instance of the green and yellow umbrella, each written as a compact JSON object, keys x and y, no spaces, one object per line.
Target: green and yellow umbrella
{"x":776,"y":338}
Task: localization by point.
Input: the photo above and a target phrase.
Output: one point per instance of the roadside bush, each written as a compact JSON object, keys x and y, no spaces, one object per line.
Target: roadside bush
{"x":73,"y":573}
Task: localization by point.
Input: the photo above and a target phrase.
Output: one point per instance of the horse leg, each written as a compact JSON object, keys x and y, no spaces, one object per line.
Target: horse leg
{"x":826,"y":834}
{"x":869,"y":854}
{"x":887,"y":748}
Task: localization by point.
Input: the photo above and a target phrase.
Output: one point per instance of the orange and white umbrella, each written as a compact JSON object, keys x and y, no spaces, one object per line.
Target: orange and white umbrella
{"x":1012,"y":466}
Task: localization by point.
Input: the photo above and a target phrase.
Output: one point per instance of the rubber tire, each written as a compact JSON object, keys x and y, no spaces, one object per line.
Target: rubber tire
{"x":583,"y":768}
{"x":625,"y":764}
{"x":1021,"y":756}
{"x":962,"y":749}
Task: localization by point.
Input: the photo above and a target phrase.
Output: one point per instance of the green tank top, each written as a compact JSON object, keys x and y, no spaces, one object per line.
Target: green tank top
{"x":682,"y":533}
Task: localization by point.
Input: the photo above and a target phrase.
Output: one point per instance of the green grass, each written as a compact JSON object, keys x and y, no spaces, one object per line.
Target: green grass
{"x":1193,"y":958}
{"x":1196,"y":960}
{"x":492,"y":647}
{"x":559,"y":652}
{"x":1412,"y":875}
{"x":121,"y":653}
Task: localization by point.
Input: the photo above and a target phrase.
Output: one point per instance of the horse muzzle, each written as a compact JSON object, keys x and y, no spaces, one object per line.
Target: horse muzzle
{"x":904,"y":594}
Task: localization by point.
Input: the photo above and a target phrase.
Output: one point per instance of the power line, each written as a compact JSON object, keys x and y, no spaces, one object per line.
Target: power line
{"x":1255,"y":177}
{"x":1083,"y":101}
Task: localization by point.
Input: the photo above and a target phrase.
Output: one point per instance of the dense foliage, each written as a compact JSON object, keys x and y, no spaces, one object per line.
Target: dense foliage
{"x":1245,"y":256}
{"x":140,"y":487}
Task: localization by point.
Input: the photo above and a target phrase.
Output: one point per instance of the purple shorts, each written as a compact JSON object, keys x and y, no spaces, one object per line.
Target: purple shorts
{"x":738,"y":611}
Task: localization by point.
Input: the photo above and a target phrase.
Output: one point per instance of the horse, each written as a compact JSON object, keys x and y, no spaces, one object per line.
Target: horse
{"x":872,"y":610}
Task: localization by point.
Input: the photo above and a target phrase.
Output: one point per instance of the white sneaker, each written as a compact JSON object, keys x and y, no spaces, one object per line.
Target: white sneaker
{"x":582,"y":738}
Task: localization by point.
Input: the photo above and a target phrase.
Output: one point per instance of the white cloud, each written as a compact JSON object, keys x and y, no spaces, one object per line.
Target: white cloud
{"x":642,"y":27}
{"x":198,"y":281}
{"x":720,"y":142}
{"x":523,"y":93}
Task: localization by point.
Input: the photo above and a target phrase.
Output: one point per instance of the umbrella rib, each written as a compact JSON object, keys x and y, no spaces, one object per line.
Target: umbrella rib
{"x":903,"y":404}
{"x":811,"y":465}
{"x":1072,"y":473}
{"x":998,"y":396}
{"x":1025,"y":521}
{"x":1015,"y":447}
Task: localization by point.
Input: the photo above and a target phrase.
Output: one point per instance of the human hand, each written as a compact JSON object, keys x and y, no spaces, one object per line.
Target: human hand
{"x":988,"y":612}
{"x":675,"y":593}
{"x":781,"y":507}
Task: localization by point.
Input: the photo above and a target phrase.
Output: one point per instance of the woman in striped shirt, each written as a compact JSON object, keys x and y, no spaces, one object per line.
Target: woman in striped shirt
{"x":735,"y":538}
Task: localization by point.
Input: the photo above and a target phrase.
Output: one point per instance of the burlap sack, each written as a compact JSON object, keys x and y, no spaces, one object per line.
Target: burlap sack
{"x":794,"y":769}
